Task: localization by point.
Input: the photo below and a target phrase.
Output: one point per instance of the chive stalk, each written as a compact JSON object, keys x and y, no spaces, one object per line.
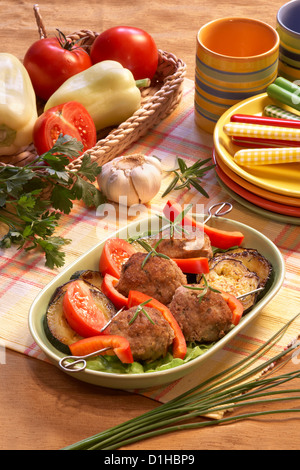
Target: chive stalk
{"x":229,"y":390}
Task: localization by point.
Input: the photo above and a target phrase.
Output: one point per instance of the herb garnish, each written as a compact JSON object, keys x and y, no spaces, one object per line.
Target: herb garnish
{"x":203,"y":290}
{"x":140,"y":308}
{"x":151,"y":250}
{"x":30,"y":219}
{"x":171,"y":226}
{"x":188,"y":177}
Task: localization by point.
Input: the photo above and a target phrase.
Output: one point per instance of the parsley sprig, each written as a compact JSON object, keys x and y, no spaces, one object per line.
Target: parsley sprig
{"x":30,"y":219}
{"x":187,"y":177}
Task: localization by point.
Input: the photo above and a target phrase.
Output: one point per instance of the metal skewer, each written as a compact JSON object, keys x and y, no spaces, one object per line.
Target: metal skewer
{"x":219,"y":212}
{"x":76,"y":360}
{"x":72,"y":366}
{"x":250,"y":292}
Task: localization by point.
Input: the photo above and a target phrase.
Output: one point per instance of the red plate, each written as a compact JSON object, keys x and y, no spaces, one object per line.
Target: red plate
{"x":253,"y":198}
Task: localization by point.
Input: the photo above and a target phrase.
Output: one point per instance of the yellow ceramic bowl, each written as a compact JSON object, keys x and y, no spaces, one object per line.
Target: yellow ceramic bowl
{"x":235,"y":58}
{"x":288,"y":28}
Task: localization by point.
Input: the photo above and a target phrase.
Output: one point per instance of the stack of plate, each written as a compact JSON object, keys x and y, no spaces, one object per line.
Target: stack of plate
{"x":270,"y":190}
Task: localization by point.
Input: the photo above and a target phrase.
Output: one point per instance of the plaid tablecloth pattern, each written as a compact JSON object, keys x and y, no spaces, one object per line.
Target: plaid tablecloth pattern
{"x":23,"y":275}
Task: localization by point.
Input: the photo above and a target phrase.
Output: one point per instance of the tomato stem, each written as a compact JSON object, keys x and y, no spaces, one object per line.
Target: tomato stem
{"x":66,"y":43}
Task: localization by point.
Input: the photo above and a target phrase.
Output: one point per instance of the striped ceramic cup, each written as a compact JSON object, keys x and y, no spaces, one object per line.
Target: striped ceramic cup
{"x":288,"y":27}
{"x":236,"y":58}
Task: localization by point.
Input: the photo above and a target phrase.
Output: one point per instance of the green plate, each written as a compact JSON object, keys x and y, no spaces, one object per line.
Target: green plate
{"x":90,"y":260}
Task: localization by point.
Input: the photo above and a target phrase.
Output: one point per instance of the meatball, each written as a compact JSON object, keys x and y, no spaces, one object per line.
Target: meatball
{"x":186,"y":247}
{"x":148,"y":341}
{"x":158,"y":278}
{"x":202,"y":320}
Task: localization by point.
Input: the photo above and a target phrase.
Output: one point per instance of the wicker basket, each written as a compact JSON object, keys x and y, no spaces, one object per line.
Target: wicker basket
{"x":158,"y":101}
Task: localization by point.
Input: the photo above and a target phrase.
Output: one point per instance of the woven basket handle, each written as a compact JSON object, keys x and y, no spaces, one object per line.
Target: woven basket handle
{"x":39,"y":21}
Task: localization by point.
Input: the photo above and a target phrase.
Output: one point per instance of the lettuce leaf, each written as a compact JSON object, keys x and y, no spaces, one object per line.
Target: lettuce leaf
{"x":112,"y":364}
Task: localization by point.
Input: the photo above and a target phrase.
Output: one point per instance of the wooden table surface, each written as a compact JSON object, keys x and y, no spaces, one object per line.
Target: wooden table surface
{"x":41,"y":408}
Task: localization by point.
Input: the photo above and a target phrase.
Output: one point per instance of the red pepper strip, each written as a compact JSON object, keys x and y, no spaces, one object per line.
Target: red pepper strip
{"x":235,"y":306}
{"x":119,"y":346}
{"x":218,"y":238}
{"x":193,"y":265}
{"x":108,"y":288}
{"x":179,"y":344}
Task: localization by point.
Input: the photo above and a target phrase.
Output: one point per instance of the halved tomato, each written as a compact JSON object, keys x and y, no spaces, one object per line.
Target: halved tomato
{"x":115,"y":253}
{"x":69,"y":118}
{"x":80,"y":310}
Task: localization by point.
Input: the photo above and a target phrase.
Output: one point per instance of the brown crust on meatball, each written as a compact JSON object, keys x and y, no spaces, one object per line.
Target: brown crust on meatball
{"x":207,"y":320}
{"x":147,"y":341}
{"x":158,"y":278}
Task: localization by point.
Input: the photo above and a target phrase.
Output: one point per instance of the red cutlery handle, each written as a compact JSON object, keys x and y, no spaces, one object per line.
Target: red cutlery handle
{"x":264,"y":120}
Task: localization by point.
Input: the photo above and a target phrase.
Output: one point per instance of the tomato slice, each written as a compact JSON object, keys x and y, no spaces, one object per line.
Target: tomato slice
{"x":193,"y":265}
{"x":80,"y":310}
{"x":115,"y":253}
{"x":108,"y":289}
{"x":119,"y":346}
{"x":179,"y":343}
{"x":235,"y":306}
{"x":69,"y":118}
{"x":219,"y":238}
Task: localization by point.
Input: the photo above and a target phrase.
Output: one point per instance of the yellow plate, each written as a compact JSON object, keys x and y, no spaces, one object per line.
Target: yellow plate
{"x":281,"y":179}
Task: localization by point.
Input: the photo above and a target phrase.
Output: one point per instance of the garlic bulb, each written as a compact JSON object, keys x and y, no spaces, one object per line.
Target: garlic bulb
{"x":138,"y":177}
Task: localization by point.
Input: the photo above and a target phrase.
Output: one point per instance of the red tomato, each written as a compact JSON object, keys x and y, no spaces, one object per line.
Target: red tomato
{"x":132,"y":47}
{"x":51,"y":61}
{"x":116,"y":251}
{"x":80,"y":310}
{"x":108,"y":289}
{"x":119,"y":346}
{"x":68,"y":119}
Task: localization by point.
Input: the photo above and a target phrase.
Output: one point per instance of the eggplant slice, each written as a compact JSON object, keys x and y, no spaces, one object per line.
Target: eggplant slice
{"x":231,"y":275}
{"x":92,"y":277}
{"x":57,"y":329}
{"x":252,"y":259}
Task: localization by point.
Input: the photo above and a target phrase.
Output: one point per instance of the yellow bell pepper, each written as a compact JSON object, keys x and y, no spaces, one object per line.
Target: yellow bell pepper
{"x":107,"y":90}
{"x":18,"y":111}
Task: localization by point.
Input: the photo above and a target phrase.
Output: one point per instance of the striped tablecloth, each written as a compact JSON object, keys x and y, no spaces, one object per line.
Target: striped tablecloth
{"x":23,"y":275}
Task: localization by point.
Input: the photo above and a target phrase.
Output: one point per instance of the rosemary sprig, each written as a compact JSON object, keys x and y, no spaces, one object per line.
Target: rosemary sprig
{"x":167,"y":225}
{"x":140,"y":308}
{"x":188,"y":177}
{"x":151,"y":250}
{"x":230,"y":389}
{"x":203,"y":290}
